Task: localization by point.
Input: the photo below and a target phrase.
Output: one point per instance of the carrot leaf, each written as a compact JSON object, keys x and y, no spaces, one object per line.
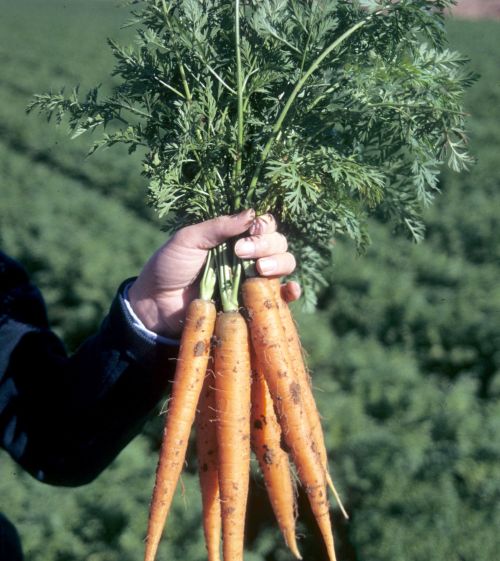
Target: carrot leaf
{"x":322,"y":112}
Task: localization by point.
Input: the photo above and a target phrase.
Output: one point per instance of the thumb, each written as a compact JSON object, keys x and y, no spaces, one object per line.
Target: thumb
{"x":211,"y":233}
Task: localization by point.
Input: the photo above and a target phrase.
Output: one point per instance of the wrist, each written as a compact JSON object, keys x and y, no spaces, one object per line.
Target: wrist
{"x":161,"y":314}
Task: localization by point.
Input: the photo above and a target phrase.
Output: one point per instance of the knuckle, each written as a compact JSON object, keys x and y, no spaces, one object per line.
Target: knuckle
{"x":218,"y":222}
{"x":261,"y":244}
{"x":292,"y":262}
{"x":183,"y":236}
{"x":282,"y":241}
{"x":268,"y":222}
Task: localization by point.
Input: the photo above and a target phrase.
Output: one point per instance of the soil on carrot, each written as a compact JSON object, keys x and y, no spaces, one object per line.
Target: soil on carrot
{"x":199,"y":323}
{"x":295,"y":392}
{"x":199,"y":348}
{"x":258,"y":424}
{"x":268,"y":456}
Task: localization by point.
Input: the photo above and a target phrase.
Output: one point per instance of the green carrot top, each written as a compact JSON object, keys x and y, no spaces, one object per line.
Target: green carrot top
{"x":321,"y":112}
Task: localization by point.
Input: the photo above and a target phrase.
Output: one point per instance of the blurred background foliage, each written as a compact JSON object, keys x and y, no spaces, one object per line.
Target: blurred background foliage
{"x":404,"y":347}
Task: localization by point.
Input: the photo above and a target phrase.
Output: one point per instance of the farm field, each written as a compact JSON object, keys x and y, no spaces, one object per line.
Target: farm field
{"x":478,"y":9}
{"x":403,"y":346}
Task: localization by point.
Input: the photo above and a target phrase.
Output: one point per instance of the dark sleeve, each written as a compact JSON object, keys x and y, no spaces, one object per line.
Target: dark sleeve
{"x":65,"y":418}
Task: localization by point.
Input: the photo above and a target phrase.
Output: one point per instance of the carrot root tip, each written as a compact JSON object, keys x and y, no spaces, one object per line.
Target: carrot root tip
{"x":337,"y":496}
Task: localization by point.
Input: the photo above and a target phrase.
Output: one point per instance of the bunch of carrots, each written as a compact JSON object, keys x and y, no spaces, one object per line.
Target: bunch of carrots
{"x":320,"y":112}
{"x":241,"y":379}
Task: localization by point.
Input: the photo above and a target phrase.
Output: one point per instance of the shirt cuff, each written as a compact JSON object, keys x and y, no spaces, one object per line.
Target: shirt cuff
{"x":137,"y":324}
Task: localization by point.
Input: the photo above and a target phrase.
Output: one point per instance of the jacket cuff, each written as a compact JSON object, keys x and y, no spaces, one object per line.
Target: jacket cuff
{"x":137,"y":324}
{"x":143,"y":346}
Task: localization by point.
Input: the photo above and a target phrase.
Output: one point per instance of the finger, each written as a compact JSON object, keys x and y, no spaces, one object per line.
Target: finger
{"x":264,"y":245}
{"x":211,"y":233}
{"x":264,"y":224}
{"x":290,"y":291}
{"x":276,"y":265}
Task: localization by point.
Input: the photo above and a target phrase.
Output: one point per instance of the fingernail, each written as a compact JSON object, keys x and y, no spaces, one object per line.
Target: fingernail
{"x":249,"y":214}
{"x":244,"y":248}
{"x":267,"y":265}
{"x":255,"y":228}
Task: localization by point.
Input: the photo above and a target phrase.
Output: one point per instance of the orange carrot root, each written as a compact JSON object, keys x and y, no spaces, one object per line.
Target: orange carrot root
{"x":232,"y":396}
{"x":192,"y":362}
{"x":206,"y":446}
{"x":270,"y":343}
{"x":273,"y":460}
{"x":298,"y":365}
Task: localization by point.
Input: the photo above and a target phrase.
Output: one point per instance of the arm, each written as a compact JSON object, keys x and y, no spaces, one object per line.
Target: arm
{"x":64,"y":418}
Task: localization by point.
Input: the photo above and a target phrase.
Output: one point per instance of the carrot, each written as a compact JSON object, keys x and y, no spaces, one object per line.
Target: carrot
{"x":232,"y":396}
{"x":192,"y":362}
{"x":273,"y":460}
{"x":271,"y":346}
{"x":206,"y":445}
{"x":299,"y":367}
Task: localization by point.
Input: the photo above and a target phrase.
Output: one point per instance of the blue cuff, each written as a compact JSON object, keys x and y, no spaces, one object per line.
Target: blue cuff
{"x":137,"y":324}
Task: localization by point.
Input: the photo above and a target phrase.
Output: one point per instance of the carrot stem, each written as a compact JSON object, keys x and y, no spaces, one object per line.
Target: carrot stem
{"x":239,"y":81}
{"x":295,"y":92}
{"x":229,"y":278}
{"x":209,"y":279}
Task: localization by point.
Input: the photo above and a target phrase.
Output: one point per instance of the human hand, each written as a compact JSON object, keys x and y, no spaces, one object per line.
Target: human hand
{"x":167,"y":283}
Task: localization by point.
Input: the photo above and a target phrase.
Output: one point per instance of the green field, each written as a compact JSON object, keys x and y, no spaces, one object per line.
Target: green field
{"x":404,"y":347}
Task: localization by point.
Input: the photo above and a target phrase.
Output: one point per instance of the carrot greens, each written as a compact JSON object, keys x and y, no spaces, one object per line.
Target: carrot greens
{"x":322,"y":112}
